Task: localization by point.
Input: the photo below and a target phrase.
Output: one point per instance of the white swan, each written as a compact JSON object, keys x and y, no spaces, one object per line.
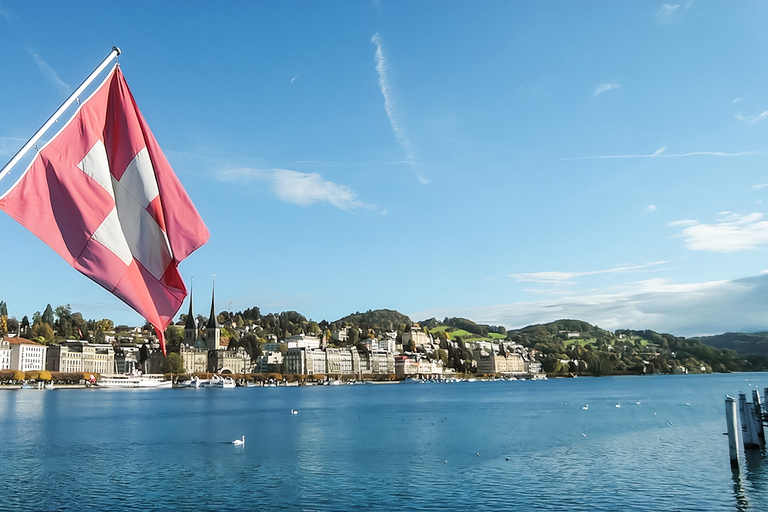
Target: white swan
{"x":239,"y":442}
{"x":294,"y":411}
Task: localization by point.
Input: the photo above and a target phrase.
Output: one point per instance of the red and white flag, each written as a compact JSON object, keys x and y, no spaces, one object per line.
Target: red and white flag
{"x":102,"y":195}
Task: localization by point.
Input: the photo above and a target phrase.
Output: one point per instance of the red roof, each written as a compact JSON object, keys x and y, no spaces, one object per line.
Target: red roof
{"x":21,"y":341}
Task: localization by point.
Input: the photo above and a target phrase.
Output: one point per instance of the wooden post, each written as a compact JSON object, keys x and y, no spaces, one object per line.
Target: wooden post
{"x":757,"y":417}
{"x":733,"y":431}
{"x":749,"y":436}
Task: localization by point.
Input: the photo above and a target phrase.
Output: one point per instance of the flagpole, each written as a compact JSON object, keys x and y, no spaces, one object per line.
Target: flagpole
{"x":31,"y":142}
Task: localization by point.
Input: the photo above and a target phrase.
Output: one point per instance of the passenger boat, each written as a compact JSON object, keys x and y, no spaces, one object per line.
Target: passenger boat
{"x":133,"y":380}
{"x":221,"y":382}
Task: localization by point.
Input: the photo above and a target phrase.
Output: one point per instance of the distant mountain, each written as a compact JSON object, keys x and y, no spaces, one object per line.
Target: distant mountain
{"x":379,"y":320}
{"x":742,"y":342}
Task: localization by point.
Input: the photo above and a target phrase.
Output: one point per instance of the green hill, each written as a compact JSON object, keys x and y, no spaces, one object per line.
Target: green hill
{"x":378,"y":320}
{"x":742,"y":342}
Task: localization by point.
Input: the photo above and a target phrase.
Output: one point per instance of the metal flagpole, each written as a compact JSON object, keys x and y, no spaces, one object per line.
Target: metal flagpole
{"x":31,"y":142}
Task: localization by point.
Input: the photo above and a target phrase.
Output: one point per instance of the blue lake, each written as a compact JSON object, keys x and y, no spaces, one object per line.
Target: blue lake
{"x":483,"y":446}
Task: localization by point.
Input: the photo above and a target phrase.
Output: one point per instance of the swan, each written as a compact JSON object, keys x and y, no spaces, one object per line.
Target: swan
{"x":294,"y":411}
{"x":239,"y":442}
{"x":586,"y":407}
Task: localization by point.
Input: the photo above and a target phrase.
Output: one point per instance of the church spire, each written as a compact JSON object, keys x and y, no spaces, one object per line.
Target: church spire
{"x":190,"y":325}
{"x":212,"y":329}
{"x":212,"y":323}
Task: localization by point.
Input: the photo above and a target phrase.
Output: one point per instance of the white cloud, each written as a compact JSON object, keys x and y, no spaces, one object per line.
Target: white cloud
{"x":731,"y":233}
{"x":666,"y":11}
{"x":651,"y":208}
{"x":557,"y":277}
{"x":681,"y":309}
{"x":659,"y":153}
{"x":303,"y":189}
{"x":606,"y":87}
{"x":49,"y":72}
{"x":389,"y":107}
{"x":752,"y":119}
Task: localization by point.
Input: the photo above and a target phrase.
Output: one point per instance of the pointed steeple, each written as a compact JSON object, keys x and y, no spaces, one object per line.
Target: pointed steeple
{"x":190,"y":324}
{"x":212,"y":323}
{"x":212,"y":329}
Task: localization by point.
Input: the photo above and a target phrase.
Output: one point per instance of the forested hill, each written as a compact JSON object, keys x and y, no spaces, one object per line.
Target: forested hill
{"x":379,"y":320}
{"x":742,"y":342}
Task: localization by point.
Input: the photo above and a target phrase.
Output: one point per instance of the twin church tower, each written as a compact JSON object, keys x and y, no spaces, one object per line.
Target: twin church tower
{"x":212,"y":338}
{"x":207,"y":352}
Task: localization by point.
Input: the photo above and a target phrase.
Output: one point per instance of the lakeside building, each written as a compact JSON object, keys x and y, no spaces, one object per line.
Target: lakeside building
{"x":493,"y":358}
{"x":80,"y":356}
{"x":208,"y":351}
{"x":302,"y":341}
{"x":415,"y":336}
{"x":26,"y":355}
{"x":412,"y":366}
{"x":5,"y":354}
{"x":338,"y":361}
{"x":384,"y":344}
{"x":126,"y":358}
{"x":271,"y":361}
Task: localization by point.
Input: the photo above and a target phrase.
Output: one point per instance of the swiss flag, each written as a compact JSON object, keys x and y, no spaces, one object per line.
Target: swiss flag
{"x":102,"y":195}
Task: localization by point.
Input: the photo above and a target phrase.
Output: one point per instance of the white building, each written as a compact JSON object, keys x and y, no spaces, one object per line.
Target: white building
{"x":416,"y":337}
{"x":302,"y":341}
{"x":305,"y":361}
{"x":80,"y":356}
{"x":26,"y":355}
{"x":340,"y":360}
{"x":271,"y":361}
{"x":5,"y":354}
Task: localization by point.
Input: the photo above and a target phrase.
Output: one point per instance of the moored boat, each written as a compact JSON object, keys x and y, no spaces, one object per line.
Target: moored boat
{"x":221,"y":382}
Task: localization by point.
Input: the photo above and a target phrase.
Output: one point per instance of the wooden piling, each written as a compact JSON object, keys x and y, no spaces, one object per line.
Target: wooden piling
{"x":757,"y":416}
{"x":748,"y":433}
{"x":733,"y":431}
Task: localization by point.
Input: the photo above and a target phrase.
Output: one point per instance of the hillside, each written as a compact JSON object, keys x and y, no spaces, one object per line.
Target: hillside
{"x":378,"y":320}
{"x":742,"y":342}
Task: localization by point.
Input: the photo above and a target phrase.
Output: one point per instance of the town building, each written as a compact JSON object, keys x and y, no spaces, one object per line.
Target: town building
{"x":208,"y":351}
{"x":127,"y":358}
{"x":305,"y":361}
{"x":415,"y":337}
{"x":271,"y":361}
{"x":5,"y":354}
{"x":26,"y":355}
{"x":492,"y":360}
{"x":80,"y":356}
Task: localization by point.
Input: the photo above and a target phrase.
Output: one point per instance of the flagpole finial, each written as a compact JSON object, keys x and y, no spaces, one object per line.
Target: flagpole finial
{"x":116,"y":49}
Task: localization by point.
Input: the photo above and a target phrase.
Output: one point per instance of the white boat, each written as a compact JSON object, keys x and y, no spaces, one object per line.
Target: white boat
{"x":221,"y":382}
{"x":196,"y":382}
{"x":133,"y":380}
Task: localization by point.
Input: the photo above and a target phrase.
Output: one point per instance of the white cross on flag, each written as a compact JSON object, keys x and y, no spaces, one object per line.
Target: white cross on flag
{"x":102,"y":195}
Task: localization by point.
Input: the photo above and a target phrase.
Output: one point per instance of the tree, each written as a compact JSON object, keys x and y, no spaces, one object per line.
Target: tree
{"x":173,"y":364}
{"x":353,"y":336}
{"x":174,"y":336}
{"x":24,"y":324}
{"x":47,"y":316}
{"x":3,"y":308}
{"x":105,"y":324}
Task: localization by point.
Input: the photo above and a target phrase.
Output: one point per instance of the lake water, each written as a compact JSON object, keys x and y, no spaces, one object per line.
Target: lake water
{"x":476,"y":446}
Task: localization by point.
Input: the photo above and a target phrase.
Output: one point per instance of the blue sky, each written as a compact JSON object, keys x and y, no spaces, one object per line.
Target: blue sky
{"x":509,"y":162}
